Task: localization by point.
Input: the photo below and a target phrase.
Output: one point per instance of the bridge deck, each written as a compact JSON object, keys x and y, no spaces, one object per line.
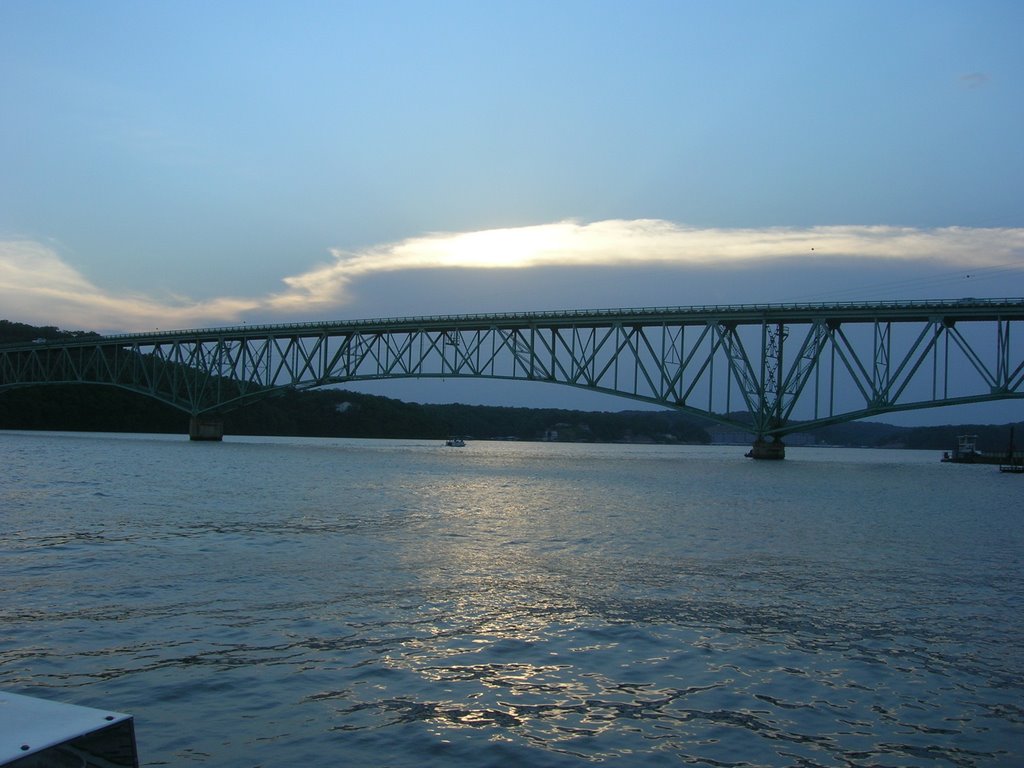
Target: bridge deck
{"x":770,"y":369}
{"x":744,"y":314}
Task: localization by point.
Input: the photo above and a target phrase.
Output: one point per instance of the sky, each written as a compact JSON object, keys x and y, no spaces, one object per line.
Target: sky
{"x":192,"y":164}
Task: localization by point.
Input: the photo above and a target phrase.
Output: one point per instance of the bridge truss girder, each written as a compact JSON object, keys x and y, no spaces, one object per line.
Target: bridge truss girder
{"x":769,"y":370}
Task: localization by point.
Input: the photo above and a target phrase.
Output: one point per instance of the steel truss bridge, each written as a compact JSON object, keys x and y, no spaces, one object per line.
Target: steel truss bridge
{"x":769,"y":370}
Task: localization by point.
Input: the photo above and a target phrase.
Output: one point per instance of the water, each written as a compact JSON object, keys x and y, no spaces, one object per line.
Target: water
{"x":284,"y":602}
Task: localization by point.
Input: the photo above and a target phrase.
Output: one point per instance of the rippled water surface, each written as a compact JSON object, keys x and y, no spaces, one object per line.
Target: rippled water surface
{"x":285,"y":602}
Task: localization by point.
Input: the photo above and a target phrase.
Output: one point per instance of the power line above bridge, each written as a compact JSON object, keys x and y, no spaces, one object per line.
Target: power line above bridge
{"x":768,"y":369}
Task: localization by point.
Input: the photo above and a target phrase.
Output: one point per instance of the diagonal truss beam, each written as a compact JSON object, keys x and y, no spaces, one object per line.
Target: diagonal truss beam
{"x":767,"y":369}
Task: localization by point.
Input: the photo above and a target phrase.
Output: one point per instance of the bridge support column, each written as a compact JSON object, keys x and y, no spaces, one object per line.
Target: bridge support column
{"x":200,"y":428}
{"x":762,"y":449}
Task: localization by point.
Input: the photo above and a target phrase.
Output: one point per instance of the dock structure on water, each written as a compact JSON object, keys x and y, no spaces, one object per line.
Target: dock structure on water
{"x":966,"y":452}
{"x":38,"y":732}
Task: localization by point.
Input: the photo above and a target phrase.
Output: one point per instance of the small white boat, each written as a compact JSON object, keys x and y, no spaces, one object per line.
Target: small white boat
{"x":455,"y":442}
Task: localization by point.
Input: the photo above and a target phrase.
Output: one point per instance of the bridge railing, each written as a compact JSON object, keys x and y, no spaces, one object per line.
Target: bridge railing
{"x":571,"y":314}
{"x":753,"y":313}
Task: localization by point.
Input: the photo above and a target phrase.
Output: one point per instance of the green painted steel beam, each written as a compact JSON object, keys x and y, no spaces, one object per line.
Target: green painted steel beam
{"x":863,"y":358}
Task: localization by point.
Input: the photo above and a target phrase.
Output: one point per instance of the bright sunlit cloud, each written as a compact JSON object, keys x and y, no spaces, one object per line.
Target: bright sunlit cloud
{"x":38,"y":286}
{"x":647,"y":242}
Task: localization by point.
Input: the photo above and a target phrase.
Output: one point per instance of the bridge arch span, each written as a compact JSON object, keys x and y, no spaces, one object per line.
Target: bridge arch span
{"x":769,"y":370}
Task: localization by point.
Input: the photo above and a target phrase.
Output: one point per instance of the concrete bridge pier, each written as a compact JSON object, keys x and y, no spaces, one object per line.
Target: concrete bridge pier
{"x":762,"y":449}
{"x":202,"y":428}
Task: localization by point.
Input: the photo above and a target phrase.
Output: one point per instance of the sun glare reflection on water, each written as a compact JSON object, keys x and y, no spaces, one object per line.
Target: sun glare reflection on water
{"x":282,"y":602}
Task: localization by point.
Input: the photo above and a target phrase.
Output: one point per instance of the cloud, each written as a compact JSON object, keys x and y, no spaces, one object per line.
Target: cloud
{"x":974,"y":79}
{"x":38,"y":286}
{"x":645,"y":242}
